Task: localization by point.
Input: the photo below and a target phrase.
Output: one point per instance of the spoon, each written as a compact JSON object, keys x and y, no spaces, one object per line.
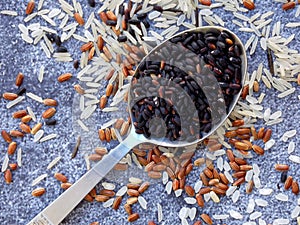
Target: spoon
{"x":149,"y":87}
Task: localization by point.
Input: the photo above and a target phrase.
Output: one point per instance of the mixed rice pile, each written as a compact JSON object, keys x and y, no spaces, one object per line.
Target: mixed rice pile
{"x":109,"y":39}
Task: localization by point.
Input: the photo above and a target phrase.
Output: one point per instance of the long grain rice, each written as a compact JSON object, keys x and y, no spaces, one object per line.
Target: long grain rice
{"x":5,"y":163}
{"x":39,"y":179}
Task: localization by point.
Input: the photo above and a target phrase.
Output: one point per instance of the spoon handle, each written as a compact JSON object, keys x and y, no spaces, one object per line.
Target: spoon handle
{"x":67,"y":201}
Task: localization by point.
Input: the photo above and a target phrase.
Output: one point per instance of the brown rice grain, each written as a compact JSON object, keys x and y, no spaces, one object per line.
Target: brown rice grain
{"x":49,"y":113}
{"x":60,"y":177}
{"x":64,"y":77}
{"x":79,"y":19}
{"x":16,"y":133}
{"x":133,"y":217}
{"x":25,"y":128}
{"x":10,"y":96}
{"x":206,"y":218}
{"x":19,"y":79}
{"x":101,"y":134}
{"x":19,"y":114}
{"x":26,"y":119}
{"x":11,"y":148}
{"x":30,"y":7}
{"x":50,"y":102}
{"x":8,"y":176}
{"x":117,"y":203}
{"x":295,"y":187}
{"x":200,"y":200}
{"x":128,"y":209}
{"x":38,"y":192}
{"x":65,"y":186}
{"x":267,"y":135}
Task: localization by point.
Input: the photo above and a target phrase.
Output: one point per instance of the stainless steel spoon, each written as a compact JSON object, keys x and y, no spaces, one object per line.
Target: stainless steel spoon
{"x":66,"y":202}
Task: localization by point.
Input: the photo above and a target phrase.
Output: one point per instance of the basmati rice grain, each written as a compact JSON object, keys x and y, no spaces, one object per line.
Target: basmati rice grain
{"x":19,"y":157}
{"x":15,"y":102}
{"x":26,"y":38}
{"x":53,"y":162}
{"x":34,"y":97}
{"x":39,"y":179}
{"x":30,"y":17}
{"x":54,"y":12}
{"x":5,"y":163}
{"x":9,"y":12}
{"x":286,"y":93}
{"x":41,"y":74}
{"x":48,"y":137}
{"x":23,"y":29}
{"x":159,"y":213}
{"x":254,"y":44}
{"x":45,"y":49}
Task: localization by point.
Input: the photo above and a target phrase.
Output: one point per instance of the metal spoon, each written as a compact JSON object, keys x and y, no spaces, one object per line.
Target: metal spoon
{"x":66,"y":202}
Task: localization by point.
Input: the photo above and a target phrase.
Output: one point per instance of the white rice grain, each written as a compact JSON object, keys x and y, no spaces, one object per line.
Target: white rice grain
{"x":255,"y":215}
{"x":260,"y":202}
{"x":236,"y":215}
{"x":190,"y":201}
{"x":142,"y":201}
{"x":5,"y":163}
{"x":9,"y":12}
{"x":53,"y":162}
{"x":48,"y":137}
{"x":108,"y":203}
{"x":286,"y":93}
{"x":41,"y":74}
{"x":291,"y":147}
{"x":294,"y":158}
{"x":159,"y":212}
{"x":19,"y":157}
{"x":15,"y":102}
{"x":220,"y":217}
{"x":282,"y":197}
{"x":38,"y":136}
{"x":235,"y":196}
{"x":265,"y":191}
{"x":295,"y":212}
{"x":122,"y":191}
{"x":39,"y":179}
{"x":169,"y":187}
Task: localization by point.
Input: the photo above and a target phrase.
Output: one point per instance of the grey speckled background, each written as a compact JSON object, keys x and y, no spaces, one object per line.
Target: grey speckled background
{"x":17,"y":206}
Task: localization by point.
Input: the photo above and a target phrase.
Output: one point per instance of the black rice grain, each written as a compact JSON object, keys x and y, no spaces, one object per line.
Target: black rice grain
{"x":186,"y":85}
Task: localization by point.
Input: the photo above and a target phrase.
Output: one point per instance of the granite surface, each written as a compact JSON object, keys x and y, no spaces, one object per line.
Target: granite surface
{"x":17,"y":206}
